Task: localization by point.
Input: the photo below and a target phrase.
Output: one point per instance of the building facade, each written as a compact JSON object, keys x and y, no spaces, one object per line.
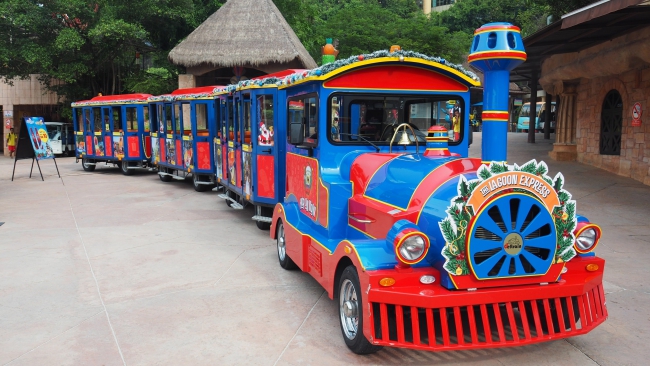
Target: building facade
{"x":25,"y":98}
{"x":604,"y":99}
{"x":435,"y":5}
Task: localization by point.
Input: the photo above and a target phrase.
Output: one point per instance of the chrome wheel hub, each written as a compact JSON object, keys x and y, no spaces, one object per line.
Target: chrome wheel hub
{"x":282,"y":249}
{"x":349,"y":309}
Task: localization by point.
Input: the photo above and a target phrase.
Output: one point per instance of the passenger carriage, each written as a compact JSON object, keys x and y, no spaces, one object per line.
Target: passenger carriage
{"x":250,"y":145}
{"x":184,"y":126}
{"x":113,"y":129}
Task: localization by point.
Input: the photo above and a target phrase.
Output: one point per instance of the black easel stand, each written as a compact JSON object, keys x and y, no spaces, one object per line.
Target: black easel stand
{"x":39,"y":169}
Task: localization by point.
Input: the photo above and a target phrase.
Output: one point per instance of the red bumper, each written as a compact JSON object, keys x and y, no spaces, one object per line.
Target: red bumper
{"x":429,"y":317}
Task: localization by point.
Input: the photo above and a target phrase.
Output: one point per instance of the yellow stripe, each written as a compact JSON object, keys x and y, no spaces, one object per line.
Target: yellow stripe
{"x":384,"y":60}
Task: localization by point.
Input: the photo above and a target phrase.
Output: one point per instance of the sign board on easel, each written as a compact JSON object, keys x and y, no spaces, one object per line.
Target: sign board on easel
{"x":34,"y":143}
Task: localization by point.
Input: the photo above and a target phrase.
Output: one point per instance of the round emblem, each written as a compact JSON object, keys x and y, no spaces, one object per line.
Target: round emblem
{"x":513,"y":244}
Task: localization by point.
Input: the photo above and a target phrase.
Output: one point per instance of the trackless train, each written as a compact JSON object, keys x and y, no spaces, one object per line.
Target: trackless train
{"x":366,"y":184}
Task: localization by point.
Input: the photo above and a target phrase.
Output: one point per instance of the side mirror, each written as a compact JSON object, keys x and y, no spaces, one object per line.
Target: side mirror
{"x":296,"y":133}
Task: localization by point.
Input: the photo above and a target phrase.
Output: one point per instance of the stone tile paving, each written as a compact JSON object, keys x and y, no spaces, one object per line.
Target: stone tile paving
{"x":102,"y":269}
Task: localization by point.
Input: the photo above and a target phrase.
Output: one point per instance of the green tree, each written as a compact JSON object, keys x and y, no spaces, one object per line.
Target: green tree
{"x":92,"y":46}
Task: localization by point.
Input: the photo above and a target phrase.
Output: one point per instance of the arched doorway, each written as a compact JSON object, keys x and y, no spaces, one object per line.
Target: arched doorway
{"x":611,"y":124}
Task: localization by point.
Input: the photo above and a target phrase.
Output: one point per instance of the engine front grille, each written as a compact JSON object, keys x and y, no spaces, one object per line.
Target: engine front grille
{"x":487,"y":325}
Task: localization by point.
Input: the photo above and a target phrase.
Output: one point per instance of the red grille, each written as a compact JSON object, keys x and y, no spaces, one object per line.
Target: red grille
{"x":487,"y":325}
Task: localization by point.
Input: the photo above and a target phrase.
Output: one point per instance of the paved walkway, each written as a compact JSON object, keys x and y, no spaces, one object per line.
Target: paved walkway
{"x":102,"y":269}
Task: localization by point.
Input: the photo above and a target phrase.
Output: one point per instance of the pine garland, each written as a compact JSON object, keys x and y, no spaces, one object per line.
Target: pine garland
{"x":454,"y":226}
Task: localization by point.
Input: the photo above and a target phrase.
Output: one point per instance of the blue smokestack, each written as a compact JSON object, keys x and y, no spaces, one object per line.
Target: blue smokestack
{"x":496,"y":50}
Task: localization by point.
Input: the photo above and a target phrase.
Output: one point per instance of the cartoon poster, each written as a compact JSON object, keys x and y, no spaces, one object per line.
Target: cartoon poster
{"x":218,"y":158}
{"x":99,"y":146}
{"x":248,"y":176}
{"x":232,"y":172}
{"x":80,"y":144}
{"x":39,"y":137}
{"x":187,"y":154}
{"x":155,"y":150}
{"x":265,"y":137}
{"x":118,"y":146}
{"x":170,"y":150}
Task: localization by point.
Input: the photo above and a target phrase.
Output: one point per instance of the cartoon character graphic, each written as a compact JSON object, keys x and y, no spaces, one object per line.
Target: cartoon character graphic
{"x":118,"y":146}
{"x":187,"y":153}
{"x":231,"y":167}
{"x":265,"y":137}
{"x":218,"y":160}
{"x":247,"y":174}
{"x":307,"y":179}
{"x":171,"y":151}
{"x":155,"y":150}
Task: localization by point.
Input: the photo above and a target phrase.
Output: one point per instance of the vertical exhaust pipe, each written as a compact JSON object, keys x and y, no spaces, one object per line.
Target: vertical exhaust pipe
{"x":496,"y":50}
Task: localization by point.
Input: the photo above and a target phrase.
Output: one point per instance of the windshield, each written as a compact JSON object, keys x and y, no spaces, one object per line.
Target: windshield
{"x":359,"y":118}
{"x":54,"y":132}
{"x":525,"y":110}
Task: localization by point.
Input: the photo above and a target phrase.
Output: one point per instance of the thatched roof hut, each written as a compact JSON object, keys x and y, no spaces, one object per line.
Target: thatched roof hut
{"x":251,"y":34}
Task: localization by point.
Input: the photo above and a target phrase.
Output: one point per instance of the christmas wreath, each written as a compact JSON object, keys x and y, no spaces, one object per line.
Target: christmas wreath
{"x":459,"y":215}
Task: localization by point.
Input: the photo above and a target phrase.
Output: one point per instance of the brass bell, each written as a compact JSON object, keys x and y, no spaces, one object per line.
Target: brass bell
{"x":404,"y":139}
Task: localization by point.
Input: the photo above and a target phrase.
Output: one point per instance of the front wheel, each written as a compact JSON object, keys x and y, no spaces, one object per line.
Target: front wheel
{"x":285,"y":261}
{"x":85,"y":163}
{"x":124,"y":167}
{"x":198,"y":186}
{"x":351,"y":313}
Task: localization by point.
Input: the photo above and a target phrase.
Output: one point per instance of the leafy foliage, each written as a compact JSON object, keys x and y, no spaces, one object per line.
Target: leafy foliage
{"x":93,"y":46}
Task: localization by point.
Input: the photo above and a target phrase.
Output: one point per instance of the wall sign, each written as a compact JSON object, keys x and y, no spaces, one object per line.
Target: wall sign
{"x":9,"y":114}
{"x":637,"y":112}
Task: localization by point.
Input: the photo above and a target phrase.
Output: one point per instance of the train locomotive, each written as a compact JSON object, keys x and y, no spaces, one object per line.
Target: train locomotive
{"x":360,"y":170}
{"x":421,"y":246}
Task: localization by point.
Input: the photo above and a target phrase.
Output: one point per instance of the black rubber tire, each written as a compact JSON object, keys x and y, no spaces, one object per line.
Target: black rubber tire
{"x":285,"y":262}
{"x":198,"y":187}
{"x":88,"y":168}
{"x":263,"y":225}
{"x":358,"y":344}
{"x":124,"y":168}
{"x":164,"y":178}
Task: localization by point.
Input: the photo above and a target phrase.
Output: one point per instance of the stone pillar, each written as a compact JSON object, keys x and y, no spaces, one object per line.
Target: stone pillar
{"x":547,"y":117}
{"x":426,"y":7}
{"x":565,"y":148}
{"x":186,"y":81}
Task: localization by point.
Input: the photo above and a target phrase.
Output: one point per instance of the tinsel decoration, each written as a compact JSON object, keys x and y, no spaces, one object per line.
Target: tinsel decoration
{"x":454,"y":226}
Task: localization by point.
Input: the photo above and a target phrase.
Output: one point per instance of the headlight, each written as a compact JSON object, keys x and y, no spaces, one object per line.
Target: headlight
{"x":587,"y":237}
{"x":411,"y":247}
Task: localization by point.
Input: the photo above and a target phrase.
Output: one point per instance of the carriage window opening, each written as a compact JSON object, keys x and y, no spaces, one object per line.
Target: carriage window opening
{"x":201,"y":116}
{"x":97,"y":114}
{"x":80,"y":120}
{"x":304,"y":110}
{"x":231,"y":127}
{"x":153,"y":114}
{"x":160,"y":117}
{"x":131,"y":119}
{"x":265,"y":118}
{"x":117,"y":119}
{"x":353,"y":118}
{"x":177,"y":119}
{"x":147,"y":125}
{"x":224,"y":119}
{"x":88,"y":120}
{"x":247,"y":121}
{"x":238,"y":125}
{"x":186,"y":116}
{"x":169,"y":118}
